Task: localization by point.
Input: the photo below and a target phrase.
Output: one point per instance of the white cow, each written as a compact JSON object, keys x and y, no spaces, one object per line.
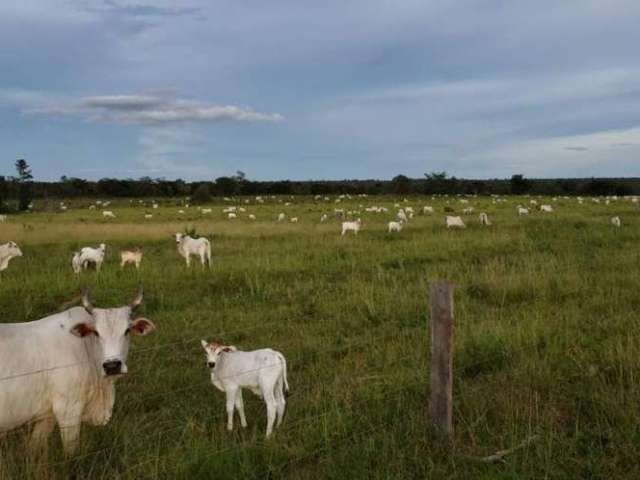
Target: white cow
{"x":231,"y":215}
{"x":148,"y":216}
{"x":546,"y":208}
{"x":205,"y":211}
{"x":522,"y":211}
{"x":394,"y":227}
{"x":401,"y":216}
{"x":62,"y":369}
{"x":427,"y":209}
{"x":76,"y":264}
{"x":3,"y":218}
{"x":188,"y":246}
{"x":294,"y":220}
{"x":484,"y":219}
{"x":263,"y":371}
{"x":131,"y":256}
{"x":351,"y":226}
{"x":324,"y":218}
{"x":108,"y":214}
{"x":454,"y":222}
{"x":8,"y":251}
{"x":92,"y":255}
{"x":252,"y":216}
{"x":281,"y":217}
{"x":467,"y":210}
{"x":616,"y":222}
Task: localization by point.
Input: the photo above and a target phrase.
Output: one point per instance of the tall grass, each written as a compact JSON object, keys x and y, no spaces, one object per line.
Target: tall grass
{"x":546,"y":341}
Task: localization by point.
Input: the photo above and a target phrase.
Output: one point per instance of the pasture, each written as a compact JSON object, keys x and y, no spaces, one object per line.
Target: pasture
{"x":547,"y":338}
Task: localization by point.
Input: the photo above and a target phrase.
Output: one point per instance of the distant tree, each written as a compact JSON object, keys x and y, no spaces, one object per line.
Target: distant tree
{"x":202,"y":193}
{"x":3,"y":193}
{"x":401,"y":184}
{"x":24,"y":180}
{"x":520,"y":185}
{"x":227,"y":186}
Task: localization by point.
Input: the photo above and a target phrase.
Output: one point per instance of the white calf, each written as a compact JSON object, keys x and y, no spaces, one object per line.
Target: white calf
{"x":281,"y":217}
{"x":263,"y":371}
{"x":546,"y":208}
{"x":108,"y":214}
{"x":231,"y":215}
{"x":616,"y":222}
{"x":76,"y":264}
{"x":92,"y":255}
{"x":454,"y":222}
{"x":351,"y":227}
{"x":522,"y":211}
{"x":294,"y":220}
{"x":394,"y":227}
{"x":131,"y":256}
{"x":427,"y":209}
{"x":8,"y":251}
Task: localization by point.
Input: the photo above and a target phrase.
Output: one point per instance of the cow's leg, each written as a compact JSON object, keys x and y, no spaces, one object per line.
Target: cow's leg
{"x":202,"y":257}
{"x":40,"y":433}
{"x":240,"y":408}
{"x":188,"y":259}
{"x":280,"y":401}
{"x":69,"y":417}
{"x":271,"y":409}
{"x":231,"y":402}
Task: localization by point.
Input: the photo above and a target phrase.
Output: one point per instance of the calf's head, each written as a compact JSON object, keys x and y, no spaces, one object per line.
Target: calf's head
{"x":13,"y":250}
{"x":213,"y":351}
{"x":111,"y":329}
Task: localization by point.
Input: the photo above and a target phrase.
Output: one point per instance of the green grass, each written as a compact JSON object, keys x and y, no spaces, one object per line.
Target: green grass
{"x":546,"y":340}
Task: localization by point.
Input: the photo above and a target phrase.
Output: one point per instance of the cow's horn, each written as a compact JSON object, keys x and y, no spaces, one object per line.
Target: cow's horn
{"x":137,"y":300}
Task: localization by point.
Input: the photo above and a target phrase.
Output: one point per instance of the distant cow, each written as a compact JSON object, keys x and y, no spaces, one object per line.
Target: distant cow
{"x":394,"y":227}
{"x":62,"y":369}
{"x":484,"y":219}
{"x":8,"y":251}
{"x":351,"y":227}
{"x":616,"y":222}
{"x":264,"y":372}
{"x":108,"y":214}
{"x":199,"y":247}
{"x":131,"y":256}
{"x":92,"y":255}
{"x":454,"y":222}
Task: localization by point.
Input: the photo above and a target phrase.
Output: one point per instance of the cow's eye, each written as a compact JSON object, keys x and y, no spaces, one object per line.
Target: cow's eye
{"x":95,"y":332}
{"x":126,"y":332}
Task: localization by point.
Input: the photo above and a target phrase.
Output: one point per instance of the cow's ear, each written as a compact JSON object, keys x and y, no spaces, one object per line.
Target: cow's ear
{"x":142,"y":326}
{"x":204,"y":344}
{"x":82,"y":330}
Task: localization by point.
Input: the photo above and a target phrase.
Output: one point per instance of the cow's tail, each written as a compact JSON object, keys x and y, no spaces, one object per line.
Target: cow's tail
{"x":284,"y":371}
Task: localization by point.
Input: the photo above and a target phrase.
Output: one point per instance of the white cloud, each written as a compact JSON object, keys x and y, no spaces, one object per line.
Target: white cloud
{"x":152,"y":109}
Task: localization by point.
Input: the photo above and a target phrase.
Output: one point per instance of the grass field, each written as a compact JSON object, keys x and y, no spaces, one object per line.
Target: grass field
{"x":547,"y":339}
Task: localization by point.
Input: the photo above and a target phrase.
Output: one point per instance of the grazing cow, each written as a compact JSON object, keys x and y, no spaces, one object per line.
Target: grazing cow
{"x":324,"y":218}
{"x":427,"y":209}
{"x":394,"y":227}
{"x":484,"y":219}
{"x":351,"y":227}
{"x":3,"y":218}
{"x":188,"y":246}
{"x":522,"y":211}
{"x":263,"y":371}
{"x":615,"y":221}
{"x":108,"y":214}
{"x":401,"y":216}
{"x":281,"y":217}
{"x":546,"y":208}
{"x":454,"y":222}
{"x":131,"y":256}
{"x":467,"y":210}
{"x":294,"y":220}
{"x":181,"y":212}
{"x":205,"y":211}
{"x":8,"y":251}
{"x":231,"y":215}
{"x":92,"y":255}
{"x":252,"y":216}
{"x":62,"y":369}
{"x":148,"y":216}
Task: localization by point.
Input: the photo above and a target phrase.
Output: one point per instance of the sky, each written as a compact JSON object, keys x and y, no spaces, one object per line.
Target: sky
{"x":332,"y":89}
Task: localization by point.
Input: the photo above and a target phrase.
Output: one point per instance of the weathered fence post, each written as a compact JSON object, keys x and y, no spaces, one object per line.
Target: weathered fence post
{"x":441,"y":380}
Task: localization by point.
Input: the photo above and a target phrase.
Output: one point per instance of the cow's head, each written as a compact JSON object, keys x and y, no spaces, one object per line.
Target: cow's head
{"x":12,"y":249}
{"x":179,"y":237}
{"x":213,"y":351}
{"x":111,"y":328}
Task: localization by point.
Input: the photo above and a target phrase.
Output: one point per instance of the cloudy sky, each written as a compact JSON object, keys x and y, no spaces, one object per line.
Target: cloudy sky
{"x":329,"y":89}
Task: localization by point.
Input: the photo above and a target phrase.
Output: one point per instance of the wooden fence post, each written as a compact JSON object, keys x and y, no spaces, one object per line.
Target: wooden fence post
{"x":441,"y":380}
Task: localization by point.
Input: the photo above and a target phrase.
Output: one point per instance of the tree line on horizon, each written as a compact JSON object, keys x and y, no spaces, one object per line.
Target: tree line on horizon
{"x":17,"y":192}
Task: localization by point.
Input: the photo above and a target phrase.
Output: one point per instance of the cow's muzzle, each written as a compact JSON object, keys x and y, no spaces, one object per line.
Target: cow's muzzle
{"x":112,"y":367}
{"x":211,"y":364}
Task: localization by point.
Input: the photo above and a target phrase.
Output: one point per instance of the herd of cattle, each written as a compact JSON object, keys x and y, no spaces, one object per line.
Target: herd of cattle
{"x":61,"y":369}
